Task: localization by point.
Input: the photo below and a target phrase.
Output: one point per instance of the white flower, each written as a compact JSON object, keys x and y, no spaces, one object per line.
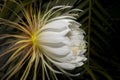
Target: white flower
{"x":63,"y":43}
{"x":49,"y":40}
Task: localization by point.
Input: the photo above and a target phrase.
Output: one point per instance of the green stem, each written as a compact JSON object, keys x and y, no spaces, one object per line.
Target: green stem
{"x":89,"y":28}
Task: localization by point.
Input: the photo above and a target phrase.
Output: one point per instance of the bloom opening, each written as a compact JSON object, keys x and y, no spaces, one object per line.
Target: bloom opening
{"x":59,"y":42}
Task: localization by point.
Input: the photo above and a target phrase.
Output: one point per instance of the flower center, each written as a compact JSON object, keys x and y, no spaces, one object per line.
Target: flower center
{"x":34,"y":39}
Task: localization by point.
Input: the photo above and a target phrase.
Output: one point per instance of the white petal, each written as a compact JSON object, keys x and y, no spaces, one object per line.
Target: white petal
{"x":51,"y":33}
{"x":65,"y":58}
{"x":77,"y":59}
{"x":57,"y":24}
{"x":76,"y":32}
{"x":78,"y":43}
{"x":56,"y":52}
{"x":85,"y":59}
{"x":81,"y":52}
{"x":54,"y":39}
{"x":62,"y":17}
{"x":67,"y":66}
{"x":79,"y":64}
{"x":77,"y":37}
{"x":75,"y":25}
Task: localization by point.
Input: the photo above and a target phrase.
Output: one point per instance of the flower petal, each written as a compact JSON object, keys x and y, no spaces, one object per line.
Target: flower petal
{"x":56,"y":52}
{"x":61,"y":24}
{"x":81,"y":52}
{"x":57,"y":24}
{"x":77,"y":59}
{"x":54,"y":39}
{"x":51,"y":33}
{"x":67,"y":66}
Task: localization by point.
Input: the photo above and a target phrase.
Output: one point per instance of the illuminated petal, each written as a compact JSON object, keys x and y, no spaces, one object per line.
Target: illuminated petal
{"x":57,"y":25}
{"x":64,"y":65}
{"x":52,"y":33}
{"x":58,"y":52}
{"x":81,"y":52}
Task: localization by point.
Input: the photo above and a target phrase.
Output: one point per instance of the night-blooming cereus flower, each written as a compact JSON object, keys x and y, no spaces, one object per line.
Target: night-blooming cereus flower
{"x":51,"y":42}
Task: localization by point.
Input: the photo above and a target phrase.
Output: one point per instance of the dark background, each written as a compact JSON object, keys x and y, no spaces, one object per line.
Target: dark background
{"x":113,"y":8}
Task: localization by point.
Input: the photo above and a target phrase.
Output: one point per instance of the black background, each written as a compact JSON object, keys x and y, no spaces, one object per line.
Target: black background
{"x":113,"y":8}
